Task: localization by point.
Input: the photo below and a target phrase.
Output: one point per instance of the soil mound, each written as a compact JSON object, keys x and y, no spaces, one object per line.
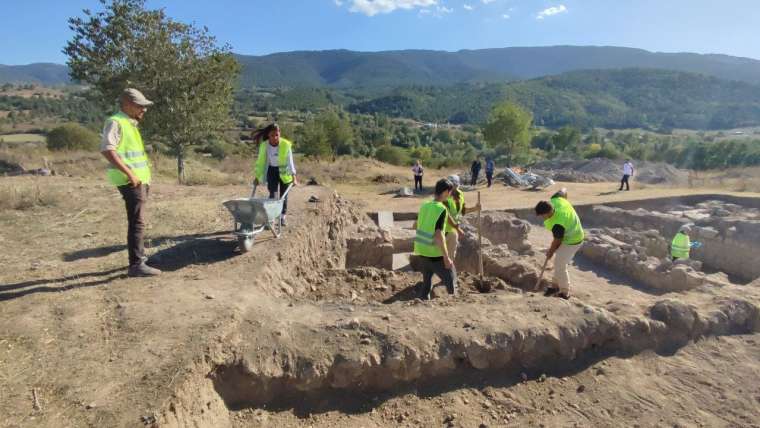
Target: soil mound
{"x":601,"y":170}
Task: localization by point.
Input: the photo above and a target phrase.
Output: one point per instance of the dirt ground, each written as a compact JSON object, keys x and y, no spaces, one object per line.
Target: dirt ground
{"x":223,"y":339}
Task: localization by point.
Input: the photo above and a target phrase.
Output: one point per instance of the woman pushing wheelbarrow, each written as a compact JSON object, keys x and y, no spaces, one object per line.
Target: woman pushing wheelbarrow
{"x":274,"y":164}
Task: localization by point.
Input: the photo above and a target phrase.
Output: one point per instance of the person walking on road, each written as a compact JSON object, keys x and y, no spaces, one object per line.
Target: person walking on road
{"x":627,"y":173}
{"x":274,"y":164}
{"x":489,"y":171}
{"x":565,"y":225}
{"x":475,"y":171}
{"x":430,"y":242}
{"x":129,"y":170}
{"x":456,"y":208}
{"x":417,"y":171}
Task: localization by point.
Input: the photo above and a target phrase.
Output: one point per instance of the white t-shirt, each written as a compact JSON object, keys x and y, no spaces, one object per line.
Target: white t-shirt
{"x":273,"y":158}
{"x":627,"y":168}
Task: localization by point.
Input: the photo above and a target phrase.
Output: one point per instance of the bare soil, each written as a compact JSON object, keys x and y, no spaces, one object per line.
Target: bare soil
{"x":285,"y":336}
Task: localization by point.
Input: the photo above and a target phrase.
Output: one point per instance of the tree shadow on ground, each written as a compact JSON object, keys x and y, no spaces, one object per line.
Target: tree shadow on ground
{"x":91,"y":253}
{"x":612,"y":192}
{"x":20,"y":289}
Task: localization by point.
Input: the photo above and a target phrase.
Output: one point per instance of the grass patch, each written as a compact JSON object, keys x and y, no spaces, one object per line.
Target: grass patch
{"x":22,"y":138}
{"x":22,"y":198}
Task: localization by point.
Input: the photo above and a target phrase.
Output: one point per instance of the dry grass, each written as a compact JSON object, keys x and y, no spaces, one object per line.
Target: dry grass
{"x":26,"y":197}
{"x":735,"y":179}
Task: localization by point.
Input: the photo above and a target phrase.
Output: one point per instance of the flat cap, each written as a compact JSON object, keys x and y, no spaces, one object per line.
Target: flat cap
{"x":136,"y":97}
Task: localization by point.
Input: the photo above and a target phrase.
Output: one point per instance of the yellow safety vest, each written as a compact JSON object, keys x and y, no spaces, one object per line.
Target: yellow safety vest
{"x":680,"y":246}
{"x":260,"y":167}
{"x":131,"y":151}
{"x":565,"y":216}
{"x":424,"y":244}
{"x":455,"y":210}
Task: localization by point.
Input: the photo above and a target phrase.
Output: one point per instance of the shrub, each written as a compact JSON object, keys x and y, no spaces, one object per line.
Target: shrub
{"x":72,"y":136}
{"x":392,"y":155}
{"x":24,"y":198}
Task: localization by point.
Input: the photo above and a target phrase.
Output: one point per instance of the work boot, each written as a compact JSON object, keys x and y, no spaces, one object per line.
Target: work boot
{"x":142,"y":270}
{"x":283,"y":222}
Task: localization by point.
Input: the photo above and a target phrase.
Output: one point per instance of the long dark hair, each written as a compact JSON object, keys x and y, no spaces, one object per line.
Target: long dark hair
{"x":263,"y":133}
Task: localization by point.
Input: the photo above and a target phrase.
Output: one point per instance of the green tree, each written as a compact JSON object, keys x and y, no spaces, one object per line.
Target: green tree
{"x":509,"y":127}
{"x":72,"y":136}
{"x":179,"y":66}
{"x":567,"y":139}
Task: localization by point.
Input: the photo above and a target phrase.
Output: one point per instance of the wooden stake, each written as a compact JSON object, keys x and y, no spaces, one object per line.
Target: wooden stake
{"x":480,"y":241}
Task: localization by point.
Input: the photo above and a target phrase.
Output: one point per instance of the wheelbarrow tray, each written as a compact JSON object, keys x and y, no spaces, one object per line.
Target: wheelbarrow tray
{"x":255,"y":212}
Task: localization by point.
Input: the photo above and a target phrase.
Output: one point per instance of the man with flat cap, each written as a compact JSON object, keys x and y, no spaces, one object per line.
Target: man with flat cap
{"x":129,"y":171}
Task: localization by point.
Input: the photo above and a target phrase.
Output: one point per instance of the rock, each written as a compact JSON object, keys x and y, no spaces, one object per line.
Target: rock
{"x":580,"y":389}
{"x":314,"y":198}
{"x":404,"y":192}
{"x":365,"y":341}
{"x":542,"y":378}
{"x":90,"y":406}
{"x":312,"y":182}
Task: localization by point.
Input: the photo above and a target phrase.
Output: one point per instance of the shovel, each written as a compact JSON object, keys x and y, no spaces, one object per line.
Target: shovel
{"x":541,"y":276}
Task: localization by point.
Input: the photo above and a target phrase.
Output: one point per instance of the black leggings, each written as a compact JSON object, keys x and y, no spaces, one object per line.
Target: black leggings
{"x":625,"y":181}
{"x":417,"y":181}
{"x":273,"y":182}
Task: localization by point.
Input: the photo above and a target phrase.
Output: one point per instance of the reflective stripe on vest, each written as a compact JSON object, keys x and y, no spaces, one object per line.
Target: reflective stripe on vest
{"x":261,"y":165}
{"x":565,"y":216}
{"x":680,"y":246}
{"x":424,"y":243}
{"x":455,"y":210}
{"x":131,"y":151}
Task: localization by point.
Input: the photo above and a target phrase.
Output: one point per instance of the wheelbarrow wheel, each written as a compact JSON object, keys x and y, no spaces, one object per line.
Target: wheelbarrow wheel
{"x":245,"y":243}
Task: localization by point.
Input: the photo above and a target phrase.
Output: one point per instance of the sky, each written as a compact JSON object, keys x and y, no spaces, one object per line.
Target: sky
{"x":37,"y":30}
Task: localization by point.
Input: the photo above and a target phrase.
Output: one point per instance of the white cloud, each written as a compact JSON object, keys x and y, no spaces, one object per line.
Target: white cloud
{"x":487,"y":1}
{"x":467,"y":7}
{"x":505,"y":16}
{"x":374,"y":7}
{"x":338,"y":3}
{"x":555,"y":10}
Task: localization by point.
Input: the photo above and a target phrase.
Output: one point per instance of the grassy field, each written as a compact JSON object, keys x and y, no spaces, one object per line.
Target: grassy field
{"x":22,"y":138}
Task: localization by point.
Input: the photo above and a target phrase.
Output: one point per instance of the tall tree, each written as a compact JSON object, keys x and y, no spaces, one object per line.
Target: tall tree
{"x":179,"y":66}
{"x":508,"y":127}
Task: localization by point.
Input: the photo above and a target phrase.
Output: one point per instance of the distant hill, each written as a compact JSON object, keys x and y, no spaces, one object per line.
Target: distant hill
{"x":40,"y":73}
{"x":342,"y":68}
{"x":628,"y":98}
{"x":345,"y":69}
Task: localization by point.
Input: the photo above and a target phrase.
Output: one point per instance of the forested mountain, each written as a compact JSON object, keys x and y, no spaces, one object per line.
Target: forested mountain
{"x":628,"y":98}
{"x":343,"y":68}
{"x":40,"y":73}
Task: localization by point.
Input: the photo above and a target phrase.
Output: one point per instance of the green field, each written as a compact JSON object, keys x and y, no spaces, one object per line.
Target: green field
{"x":22,"y":138}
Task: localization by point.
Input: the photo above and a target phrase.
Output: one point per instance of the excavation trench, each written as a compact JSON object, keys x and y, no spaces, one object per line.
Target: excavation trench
{"x":335,"y":346}
{"x":389,"y":363}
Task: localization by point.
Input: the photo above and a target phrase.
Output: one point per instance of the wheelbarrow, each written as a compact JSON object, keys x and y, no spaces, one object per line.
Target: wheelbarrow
{"x":254,"y":215}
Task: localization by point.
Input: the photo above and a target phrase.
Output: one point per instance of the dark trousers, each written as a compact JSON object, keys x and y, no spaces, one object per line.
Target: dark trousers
{"x":489,"y":177}
{"x":417,"y":182}
{"x":273,"y":182}
{"x":625,"y":181}
{"x":475,"y":175}
{"x":135,"y":199}
{"x":432,"y":266}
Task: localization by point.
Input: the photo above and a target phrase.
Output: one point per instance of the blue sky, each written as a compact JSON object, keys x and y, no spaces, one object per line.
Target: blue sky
{"x":36,"y":30}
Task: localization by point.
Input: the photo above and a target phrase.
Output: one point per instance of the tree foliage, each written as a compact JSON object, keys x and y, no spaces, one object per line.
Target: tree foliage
{"x":178,"y":66}
{"x":509,"y":127}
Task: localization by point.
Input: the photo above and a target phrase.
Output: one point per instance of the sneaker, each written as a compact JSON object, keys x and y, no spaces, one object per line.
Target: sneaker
{"x":283,"y":222}
{"x":142,"y":270}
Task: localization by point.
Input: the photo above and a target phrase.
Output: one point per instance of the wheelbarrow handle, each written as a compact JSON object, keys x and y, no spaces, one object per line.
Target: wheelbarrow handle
{"x":253,"y":193}
{"x":287,"y":191}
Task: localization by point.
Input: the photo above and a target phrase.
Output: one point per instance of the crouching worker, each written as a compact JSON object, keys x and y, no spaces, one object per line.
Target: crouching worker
{"x":430,"y":242}
{"x":274,"y":164}
{"x":562,"y":220}
{"x":681,"y":245}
